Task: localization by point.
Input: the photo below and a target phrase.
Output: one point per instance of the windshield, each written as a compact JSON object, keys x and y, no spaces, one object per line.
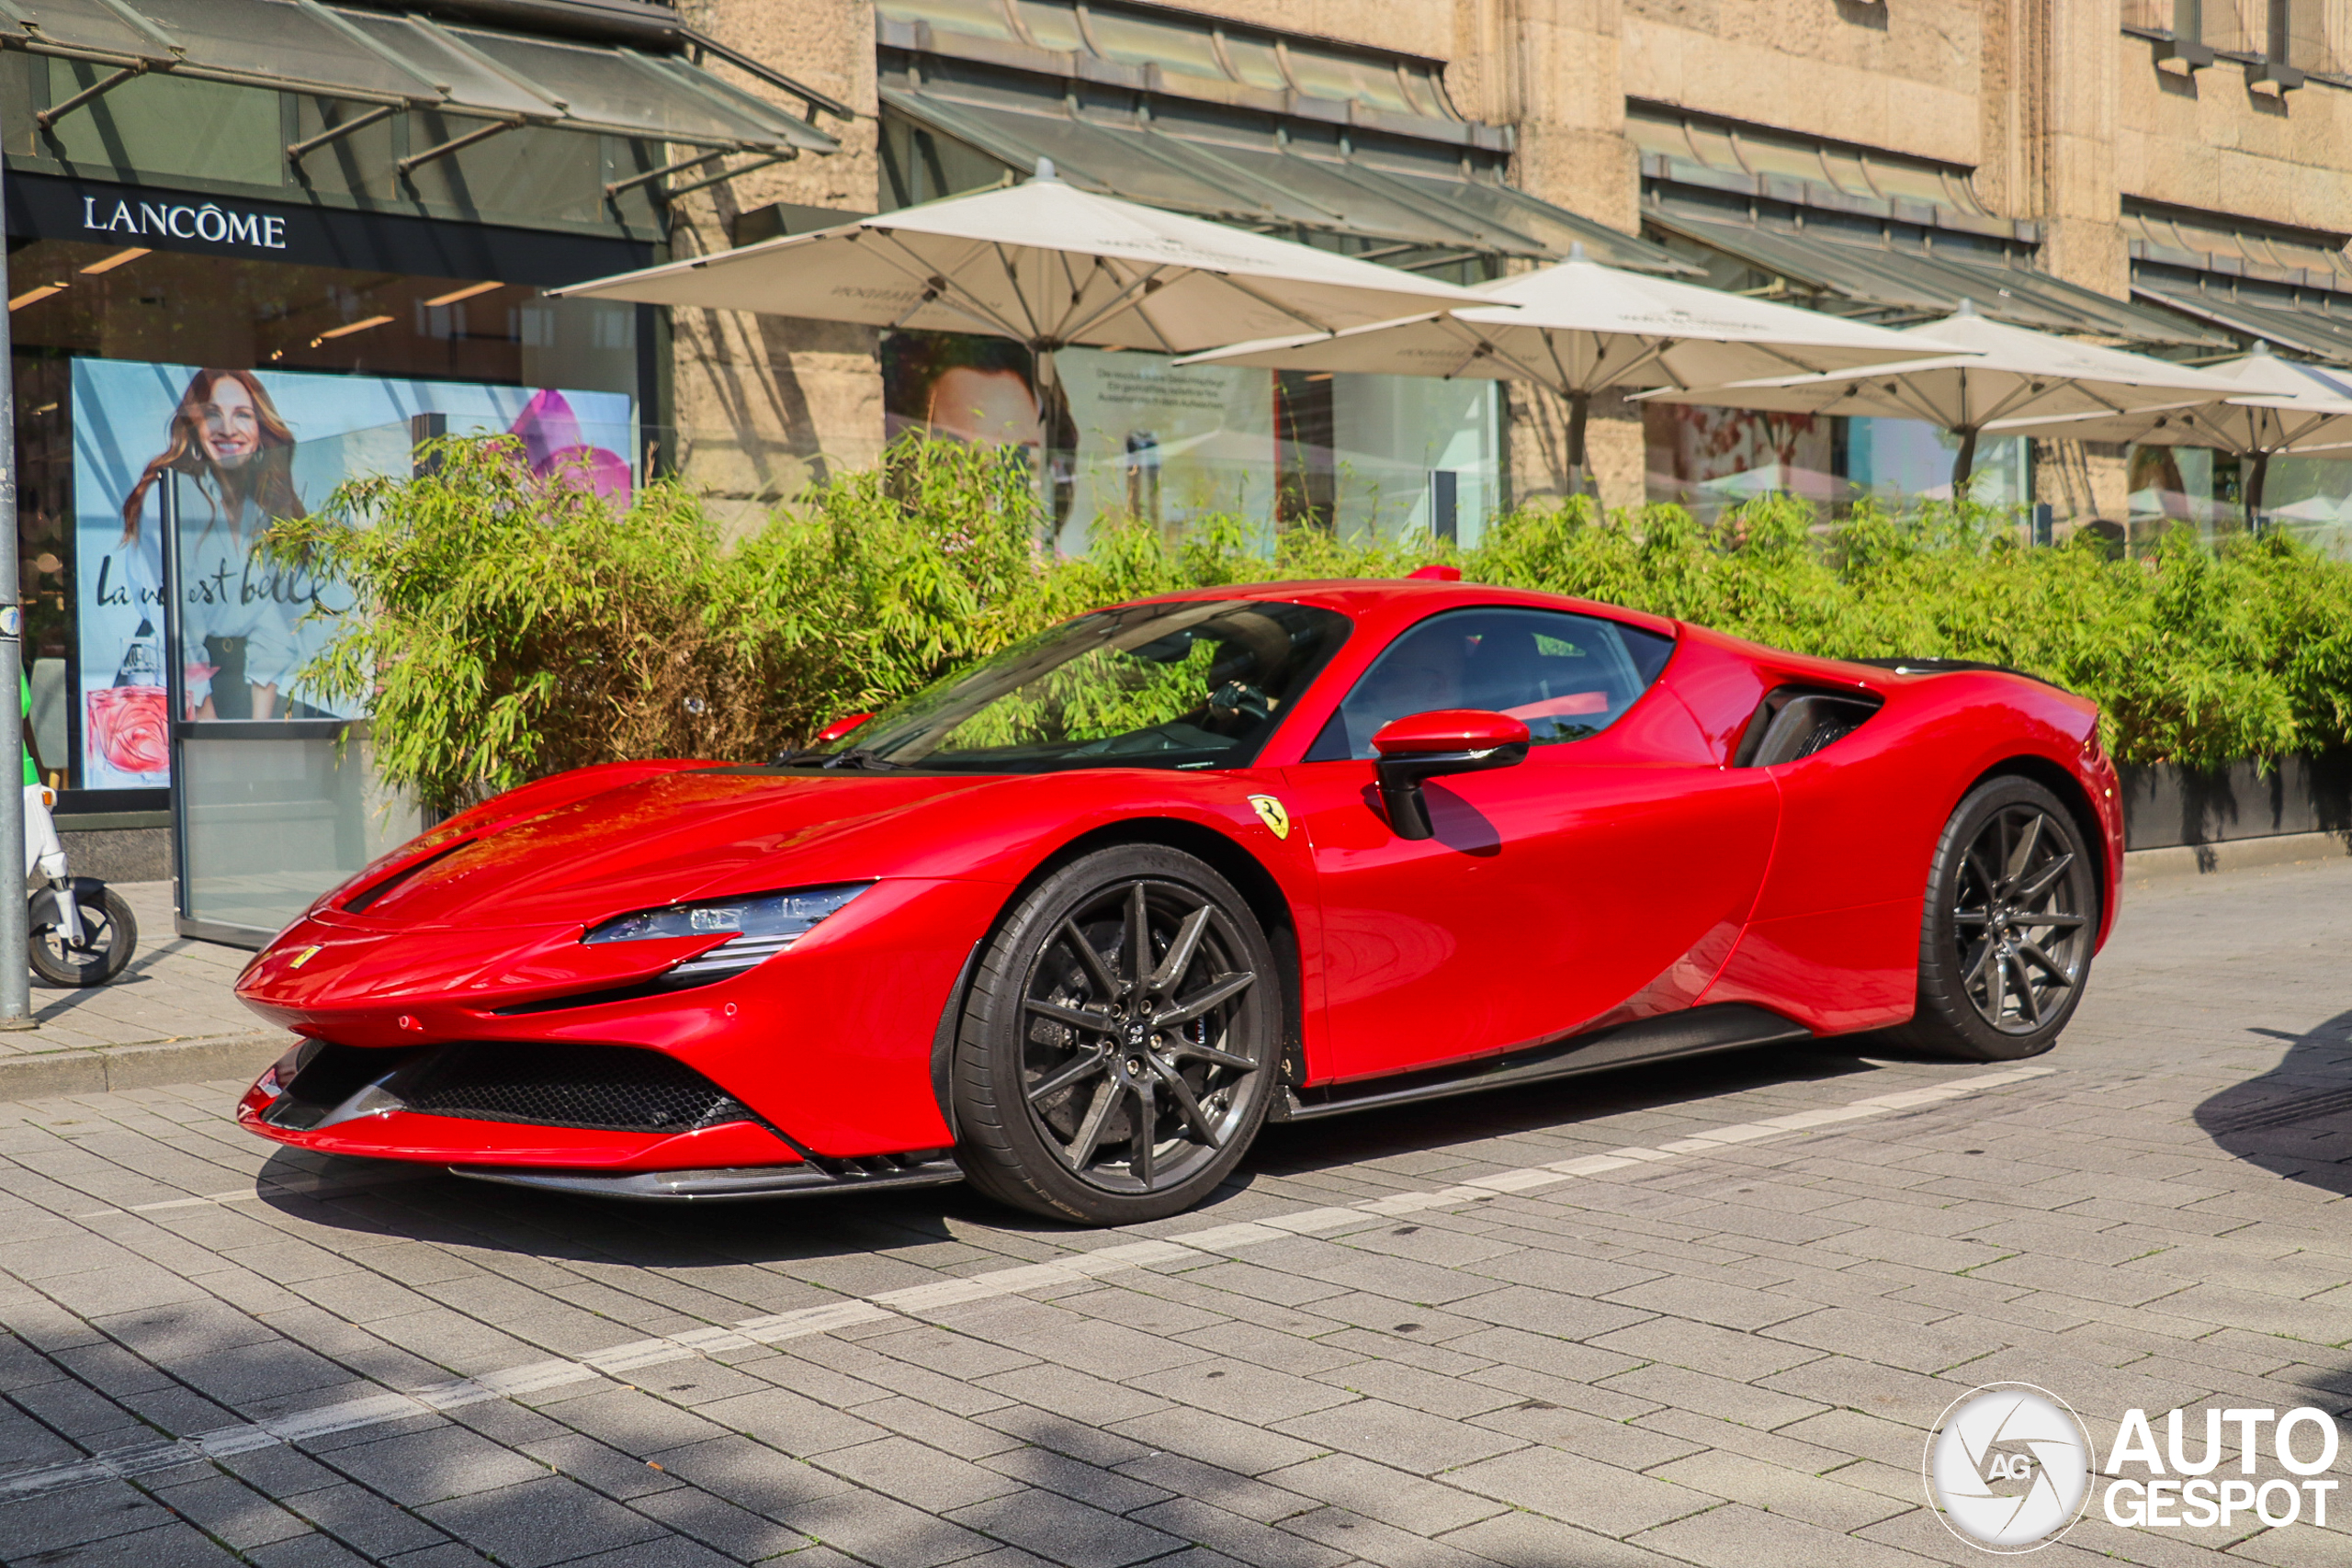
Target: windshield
{"x":1197,"y":684}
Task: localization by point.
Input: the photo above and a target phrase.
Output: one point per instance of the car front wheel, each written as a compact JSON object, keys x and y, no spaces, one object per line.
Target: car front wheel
{"x":1120,"y":1043}
{"x":2012,"y":913}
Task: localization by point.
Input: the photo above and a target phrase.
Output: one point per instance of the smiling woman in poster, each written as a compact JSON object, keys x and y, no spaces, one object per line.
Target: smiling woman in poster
{"x":238,"y":615}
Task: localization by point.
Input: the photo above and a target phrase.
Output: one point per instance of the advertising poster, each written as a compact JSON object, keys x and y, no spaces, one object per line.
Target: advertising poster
{"x":1165,"y":443}
{"x":1139,"y":436}
{"x":245,"y":448}
{"x":1709,"y":459}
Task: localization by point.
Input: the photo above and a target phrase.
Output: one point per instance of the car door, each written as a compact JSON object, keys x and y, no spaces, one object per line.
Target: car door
{"x":1606,"y":877}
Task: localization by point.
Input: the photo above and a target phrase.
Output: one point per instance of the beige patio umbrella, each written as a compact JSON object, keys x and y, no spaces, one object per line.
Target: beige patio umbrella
{"x":1580,"y":328}
{"x":2281,"y":406}
{"x":1045,"y":264}
{"x":2007,"y":373}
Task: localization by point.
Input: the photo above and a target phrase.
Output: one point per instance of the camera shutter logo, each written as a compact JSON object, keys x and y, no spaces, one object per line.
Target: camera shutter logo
{"x":2008,"y":1467}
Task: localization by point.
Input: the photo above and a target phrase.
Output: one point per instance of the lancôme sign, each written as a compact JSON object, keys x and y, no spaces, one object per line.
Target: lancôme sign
{"x":137,"y":218}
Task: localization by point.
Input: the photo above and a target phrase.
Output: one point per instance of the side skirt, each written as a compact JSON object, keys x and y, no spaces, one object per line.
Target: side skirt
{"x":1727,"y":1027}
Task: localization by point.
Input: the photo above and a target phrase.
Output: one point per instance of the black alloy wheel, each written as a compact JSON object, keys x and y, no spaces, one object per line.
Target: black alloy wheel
{"x":1119,"y":1045}
{"x":2012,"y":914}
{"x":2023,"y":946}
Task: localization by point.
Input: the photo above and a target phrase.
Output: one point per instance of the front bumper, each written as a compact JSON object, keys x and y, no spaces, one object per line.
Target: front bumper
{"x":692,"y":1141}
{"x":828,"y":1047}
{"x":411,"y":1105}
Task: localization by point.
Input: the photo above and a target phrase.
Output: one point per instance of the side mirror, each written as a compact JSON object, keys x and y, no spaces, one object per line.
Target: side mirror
{"x":1425,"y":745}
{"x":840,"y":728}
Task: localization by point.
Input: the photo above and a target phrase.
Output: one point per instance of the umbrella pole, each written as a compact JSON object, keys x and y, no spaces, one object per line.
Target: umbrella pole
{"x":1049,"y":430}
{"x":1964,"y":465}
{"x":1580,"y":413}
{"x":2253,"y":492}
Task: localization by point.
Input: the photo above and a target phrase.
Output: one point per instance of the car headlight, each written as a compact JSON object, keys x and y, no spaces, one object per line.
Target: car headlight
{"x":758,"y":927}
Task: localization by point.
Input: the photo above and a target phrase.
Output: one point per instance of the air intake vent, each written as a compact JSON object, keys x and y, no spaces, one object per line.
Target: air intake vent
{"x":1794,"y":722}
{"x":370,"y":893}
{"x":619,"y":1088}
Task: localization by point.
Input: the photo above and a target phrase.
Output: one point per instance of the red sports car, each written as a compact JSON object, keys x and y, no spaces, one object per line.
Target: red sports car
{"x":1075,"y":923}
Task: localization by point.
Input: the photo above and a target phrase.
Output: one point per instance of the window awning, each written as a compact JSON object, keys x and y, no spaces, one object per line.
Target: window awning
{"x":1387,"y":207}
{"x":1755,"y":161}
{"x":2311,"y":323}
{"x":1892,"y":281}
{"x":409,"y":62}
{"x":2209,"y":242}
{"x":1340,"y":144}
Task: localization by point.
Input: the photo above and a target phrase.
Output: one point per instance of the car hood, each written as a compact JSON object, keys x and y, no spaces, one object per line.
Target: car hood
{"x":693,"y":833}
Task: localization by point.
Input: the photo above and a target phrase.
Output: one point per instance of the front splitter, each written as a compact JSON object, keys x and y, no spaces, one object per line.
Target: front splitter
{"x":718,"y":1186}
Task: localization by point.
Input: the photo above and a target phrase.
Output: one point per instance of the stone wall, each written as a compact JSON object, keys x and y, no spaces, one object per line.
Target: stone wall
{"x":2214,"y":143}
{"x":2060,"y":114}
{"x":763,"y":404}
{"x":1901,"y":77}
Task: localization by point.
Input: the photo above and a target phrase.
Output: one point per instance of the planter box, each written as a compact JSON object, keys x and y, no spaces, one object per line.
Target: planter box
{"x":2164,"y":806}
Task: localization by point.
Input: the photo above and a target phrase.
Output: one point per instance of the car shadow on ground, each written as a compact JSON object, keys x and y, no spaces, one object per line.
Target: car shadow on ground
{"x":393,"y":1200}
{"x":2296,"y":1118}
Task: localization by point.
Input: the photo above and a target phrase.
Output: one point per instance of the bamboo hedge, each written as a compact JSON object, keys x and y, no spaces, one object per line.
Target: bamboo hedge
{"x":519,"y":627}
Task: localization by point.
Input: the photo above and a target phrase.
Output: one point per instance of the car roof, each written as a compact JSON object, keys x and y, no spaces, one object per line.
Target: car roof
{"x":1405,"y":600}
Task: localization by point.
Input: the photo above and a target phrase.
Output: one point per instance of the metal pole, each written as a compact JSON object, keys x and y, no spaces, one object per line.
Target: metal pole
{"x":15,"y":974}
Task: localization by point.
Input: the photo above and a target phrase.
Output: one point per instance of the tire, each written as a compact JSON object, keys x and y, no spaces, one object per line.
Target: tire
{"x":113,"y":936}
{"x":1078,"y":1095}
{"x":2012,"y":913}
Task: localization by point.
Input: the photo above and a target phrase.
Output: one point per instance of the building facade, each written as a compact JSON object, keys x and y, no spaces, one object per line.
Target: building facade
{"x":2161,"y":175}
{"x":257,"y":246}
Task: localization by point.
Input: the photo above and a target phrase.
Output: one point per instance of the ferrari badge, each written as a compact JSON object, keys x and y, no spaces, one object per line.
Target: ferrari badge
{"x":305,"y":956}
{"x":1270,"y":812}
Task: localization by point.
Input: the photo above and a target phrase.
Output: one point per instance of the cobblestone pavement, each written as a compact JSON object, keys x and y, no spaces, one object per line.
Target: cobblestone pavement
{"x":1462,"y":1334}
{"x":174,"y":990}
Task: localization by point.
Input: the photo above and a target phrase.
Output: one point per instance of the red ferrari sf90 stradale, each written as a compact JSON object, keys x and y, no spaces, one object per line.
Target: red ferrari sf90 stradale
{"x":1075,"y":923}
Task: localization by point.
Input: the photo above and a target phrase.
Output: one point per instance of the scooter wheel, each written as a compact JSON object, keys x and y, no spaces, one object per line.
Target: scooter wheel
{"x":110,"y":936}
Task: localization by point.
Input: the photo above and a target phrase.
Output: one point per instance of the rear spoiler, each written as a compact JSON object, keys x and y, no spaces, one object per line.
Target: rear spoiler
{"x":1956,"y":666}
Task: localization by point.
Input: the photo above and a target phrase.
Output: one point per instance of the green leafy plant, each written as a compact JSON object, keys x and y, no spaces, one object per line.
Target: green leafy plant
{"x":514,"y":626}
{"x":511,"y":627}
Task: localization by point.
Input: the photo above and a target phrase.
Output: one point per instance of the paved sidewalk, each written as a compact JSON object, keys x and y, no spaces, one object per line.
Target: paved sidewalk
{"x":168,"y":1018}
{"x":1697,"y":1313}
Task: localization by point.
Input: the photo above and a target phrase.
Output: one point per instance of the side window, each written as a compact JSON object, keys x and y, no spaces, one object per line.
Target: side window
{"x":1565,"y":676}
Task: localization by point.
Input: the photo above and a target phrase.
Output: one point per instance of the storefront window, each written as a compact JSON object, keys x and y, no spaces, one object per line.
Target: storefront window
{"x":1141,"y":436}
{"x":252,"y":389}
{"x":1897,"y":459}
{"x":1712,"y":459}
{"x":2310,"y":497}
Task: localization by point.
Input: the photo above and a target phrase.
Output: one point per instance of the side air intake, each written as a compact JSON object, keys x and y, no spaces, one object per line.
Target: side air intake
{"x":1794,"y":722}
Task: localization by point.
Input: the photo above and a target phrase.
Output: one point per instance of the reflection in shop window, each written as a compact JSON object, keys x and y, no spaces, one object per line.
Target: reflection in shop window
{"x":1712,"y":459}
{"x":1138,"y":436}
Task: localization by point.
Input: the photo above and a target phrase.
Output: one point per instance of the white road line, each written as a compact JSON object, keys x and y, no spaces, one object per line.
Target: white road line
{"x":914,"y":1300}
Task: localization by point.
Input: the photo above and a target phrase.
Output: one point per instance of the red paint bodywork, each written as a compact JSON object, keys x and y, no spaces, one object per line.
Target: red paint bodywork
{"x":1628,"y":874}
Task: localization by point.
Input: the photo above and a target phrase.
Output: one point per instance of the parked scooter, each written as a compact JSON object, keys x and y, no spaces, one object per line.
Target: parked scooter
{"x":82,"y":932}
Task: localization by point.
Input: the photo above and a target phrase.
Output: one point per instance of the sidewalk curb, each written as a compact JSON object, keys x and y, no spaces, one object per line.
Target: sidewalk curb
{"x":2152,"y":866}
{"x":113,"y":1069}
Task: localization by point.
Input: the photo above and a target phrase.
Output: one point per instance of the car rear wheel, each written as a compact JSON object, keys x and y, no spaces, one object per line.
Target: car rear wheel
{"x":2012,"y":912}
{"x":1120,"y":1042}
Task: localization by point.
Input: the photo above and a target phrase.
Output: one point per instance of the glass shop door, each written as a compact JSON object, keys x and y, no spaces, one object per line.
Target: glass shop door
{"x":273,"y":796}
